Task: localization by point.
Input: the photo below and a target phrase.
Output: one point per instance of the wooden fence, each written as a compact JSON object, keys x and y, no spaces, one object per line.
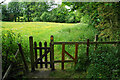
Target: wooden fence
{"x":36,"y":61}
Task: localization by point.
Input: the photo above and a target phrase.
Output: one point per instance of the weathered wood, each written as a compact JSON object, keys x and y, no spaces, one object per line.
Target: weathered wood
{"x":9,"y":68}
{"x":52,"y":52}
{"x":87,"y":52}
{"x":42,"y":56}
{"x":69,"y":55}
{"x":115,"y":42}
{"x":31,"y":53}
{"x":57,"y":61}
{"x":76,"y":52}
{"x":23,"y":58}
{"x":50,"y":56}
{"x":45,"y":44}
{"x":96,"y":39}
{"x":35,"y":45}
{"x":69,"y":43}
{"x":63,"y":55}
{"x":40,"y":50}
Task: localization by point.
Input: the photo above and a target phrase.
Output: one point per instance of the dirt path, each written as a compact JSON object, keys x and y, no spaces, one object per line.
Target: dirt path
{"x":39,"y":73}
{"x":47,"y":73}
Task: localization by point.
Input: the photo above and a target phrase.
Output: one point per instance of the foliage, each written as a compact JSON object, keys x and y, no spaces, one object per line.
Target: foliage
{"x":45,"y":17}
{"x":4,"y":13}
{"x":85,"y":19}
{"x":104,"y":62}
{"x":14,"y":10}
{"x":9,"y":48}
{"x":103,"y":16}
{"x":83,"y":63}
{"x":36,"y":19}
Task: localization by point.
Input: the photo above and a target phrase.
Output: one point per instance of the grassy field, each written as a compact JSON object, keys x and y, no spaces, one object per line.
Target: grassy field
{"x":41,"y":31}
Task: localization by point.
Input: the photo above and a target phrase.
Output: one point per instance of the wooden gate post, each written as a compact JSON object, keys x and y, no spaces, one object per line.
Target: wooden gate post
{"x":45,"y":45}
{"x":76,"y":52}
{"x":52,"y":52}
{"x":31,"y":53}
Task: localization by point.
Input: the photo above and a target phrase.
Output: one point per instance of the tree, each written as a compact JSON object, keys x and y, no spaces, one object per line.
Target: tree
{"x":5,"y":15}
{"x":14,"y":9}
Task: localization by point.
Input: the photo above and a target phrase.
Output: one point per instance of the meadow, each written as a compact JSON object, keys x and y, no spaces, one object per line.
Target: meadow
{"x":41,"y":31}
{"x":19,"y":32}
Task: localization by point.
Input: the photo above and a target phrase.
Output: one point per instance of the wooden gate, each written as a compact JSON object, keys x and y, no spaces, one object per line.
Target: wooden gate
{"x":38,"y":59}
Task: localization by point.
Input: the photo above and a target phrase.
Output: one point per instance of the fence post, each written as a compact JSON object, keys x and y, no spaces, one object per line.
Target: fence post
{"x":40,"y":45}
{"x":31,"y":53}
{"x":50,"y":55}
{"x":45,"y":44}
{"x":76,"y":52}
{"x":52,"y":52}
{"x":96,"y":39}
{"x":63,"y":55}
{"x":23,"y":58}
{"x":35,"y":46}
{"x":87,"y":53}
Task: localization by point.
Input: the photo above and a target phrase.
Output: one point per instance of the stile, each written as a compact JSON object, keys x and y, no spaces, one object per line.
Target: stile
{"x":40,"y":50}
{"x":63,"y":55}
{"x":35,"y":46}
{"x":45,"y":44}
{"x":23,"y":58}
{"x":31,"y":53}
{"x":87,"y":53}
{"x":52,"y":52}
{"x":76,"y":52}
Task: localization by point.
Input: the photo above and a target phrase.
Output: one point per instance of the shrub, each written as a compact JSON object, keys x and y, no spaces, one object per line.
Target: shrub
{"x":82,"y":64}
{"x":104,"y":63}
{"x":10,"y":42}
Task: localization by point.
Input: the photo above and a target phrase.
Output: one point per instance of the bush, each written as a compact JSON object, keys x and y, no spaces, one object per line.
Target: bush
{"x":82,"y":64}
{"x":10,"y":42}
{"x":104,"y":63}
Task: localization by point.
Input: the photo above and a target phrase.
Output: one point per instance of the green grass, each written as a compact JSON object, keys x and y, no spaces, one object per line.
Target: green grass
{"x":41,"y":31}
